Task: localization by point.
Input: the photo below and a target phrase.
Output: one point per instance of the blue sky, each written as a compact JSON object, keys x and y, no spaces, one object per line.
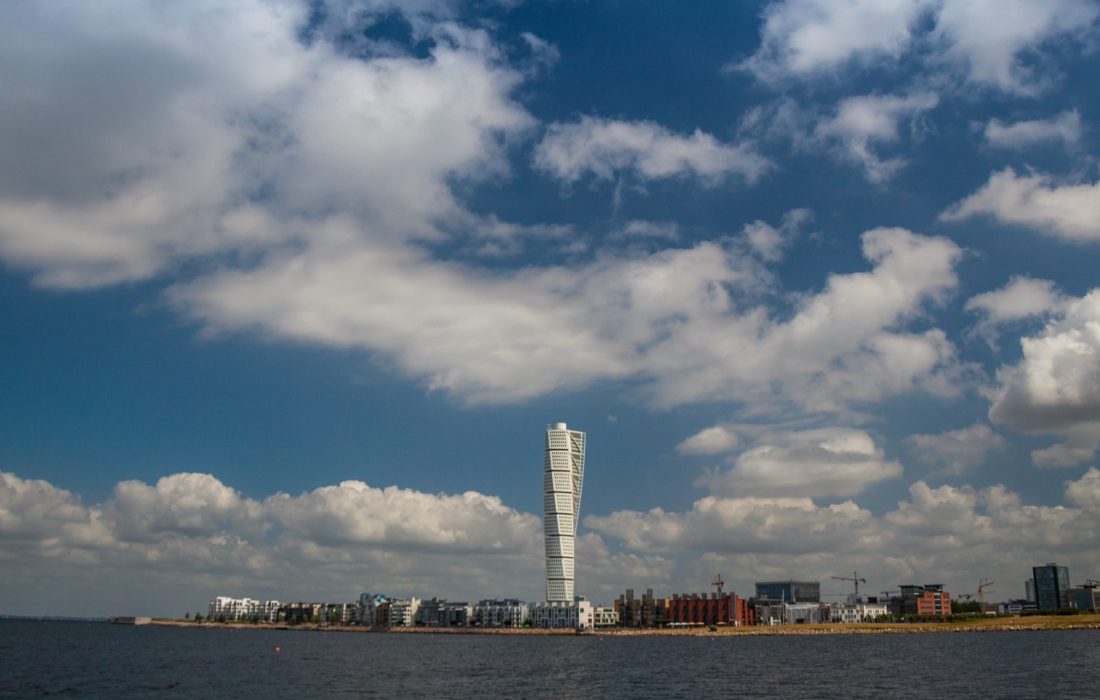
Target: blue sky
{"x":290,"y":291}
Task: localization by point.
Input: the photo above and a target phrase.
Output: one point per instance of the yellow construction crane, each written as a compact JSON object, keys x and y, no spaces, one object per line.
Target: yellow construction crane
{"x":854,"y":578}
{"x":982,"y":585}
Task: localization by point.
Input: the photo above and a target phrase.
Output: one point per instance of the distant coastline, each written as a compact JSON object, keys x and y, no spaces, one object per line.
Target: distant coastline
{"x":1003,"y":624}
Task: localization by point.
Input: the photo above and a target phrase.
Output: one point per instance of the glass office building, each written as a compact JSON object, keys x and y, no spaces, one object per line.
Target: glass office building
{"x":790,"y":591}
{"x":1051,"y":586}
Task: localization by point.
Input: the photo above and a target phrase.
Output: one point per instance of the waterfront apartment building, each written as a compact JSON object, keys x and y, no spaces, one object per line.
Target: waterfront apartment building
{"x":441,"y":613}
{"x":1051,"y":586}
{"x":790,"y":591}
{"x":929,"y":599}
{"x":701,"y":609}
{"x":857,"y":611}
{"x":604,"y":617}
{"x":647,"y":611}
{"x":403,"y":612}
{"x":563,"y":479}
{"x":508,"y":612}
{"x":248,"y":609}
{"x":578,"y":614}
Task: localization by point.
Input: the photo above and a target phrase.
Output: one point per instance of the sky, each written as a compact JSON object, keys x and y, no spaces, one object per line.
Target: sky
{"x":289,"y":292}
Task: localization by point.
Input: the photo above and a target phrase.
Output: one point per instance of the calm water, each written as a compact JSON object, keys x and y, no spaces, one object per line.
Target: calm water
{"x":74,"y":659}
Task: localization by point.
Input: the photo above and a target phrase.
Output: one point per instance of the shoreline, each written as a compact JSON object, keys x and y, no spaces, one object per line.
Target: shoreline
{"x":1012,"y":624}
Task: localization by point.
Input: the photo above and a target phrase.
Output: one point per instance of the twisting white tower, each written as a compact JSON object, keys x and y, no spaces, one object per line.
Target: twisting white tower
{"x":563,"y":478}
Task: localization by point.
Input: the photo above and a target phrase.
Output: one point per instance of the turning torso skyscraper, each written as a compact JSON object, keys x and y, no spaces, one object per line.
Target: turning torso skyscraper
{"x":563,"y":478}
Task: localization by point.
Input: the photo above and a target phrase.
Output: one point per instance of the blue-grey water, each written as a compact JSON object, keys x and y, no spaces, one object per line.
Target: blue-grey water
{"x":98,"y":660}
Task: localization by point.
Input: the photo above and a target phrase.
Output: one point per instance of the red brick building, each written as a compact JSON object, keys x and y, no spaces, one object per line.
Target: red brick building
{"x":701,"y":609}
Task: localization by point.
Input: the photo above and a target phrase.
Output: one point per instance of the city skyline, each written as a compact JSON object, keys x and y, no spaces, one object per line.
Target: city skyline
{"x":290,"y":288}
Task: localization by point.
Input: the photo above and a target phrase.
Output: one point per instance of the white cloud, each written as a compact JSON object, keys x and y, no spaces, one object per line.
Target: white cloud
{"x":1085,"y":492}
{"x":862,"y":123}
{"x":1021,"y":298}
{"x":709,"y":441}
{"x":802,"y":37}
{"x":1055,"y":387}
{"x":981,"y":42}
{"x":192,"y":532}
{"x":984,"y":39}
{"x":1067,"y":211}
{"x":660,"y":230}
{"x":335,"y":541}
{"x":1066,"y":127}
{"x":821,"y":462}
{"x":769,"y":242}
{"x":956,"y":451}
{"x":141,"y":134}
{"x":671,"y":319}
{"x":605,"y":148}
{"x":950,"y":534}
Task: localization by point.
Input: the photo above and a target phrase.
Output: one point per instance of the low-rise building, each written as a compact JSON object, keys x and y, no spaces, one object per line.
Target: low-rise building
{"x":929,"y":599}
{"x":562,"y":614}
{"x":853,"y":611}
{"x":403,"y":612}
{"x":507,"y":612}
{"x":441,"y":613}
{"x":647,"y":611}
{"x":604,"y":617}
{"x":242,"y":609}
{"x":715,"y":609}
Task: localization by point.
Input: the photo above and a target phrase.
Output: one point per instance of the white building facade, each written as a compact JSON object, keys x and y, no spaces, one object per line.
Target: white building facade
{"x":242,"y":609}
{"x":574,"y":614}
{"x":563,"y":479}
{"x":500,"y":613}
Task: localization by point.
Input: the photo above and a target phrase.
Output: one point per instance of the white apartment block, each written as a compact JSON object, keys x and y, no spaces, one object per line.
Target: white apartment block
{"x":242,"y":609}
{"x":852,"y":612}
{"x":501,"y":613}
{"x":562,"y":614}
{"x":403,"y":611}
{"x":605,"y":617}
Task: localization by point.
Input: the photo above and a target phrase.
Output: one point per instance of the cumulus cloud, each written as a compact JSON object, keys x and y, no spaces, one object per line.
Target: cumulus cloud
{"x":673,"y":319}
{"x":1022,"y":298}
{"x":955,"y":451}
{"x":606,"y":148}
{"x":334,"y":541}
{"x":1067,"y":211}
{"x":187,"y":113}
{"x":952,"y":534}
{"x":980,"y":42}
{"x":1055,"y":387}
{"x":193,"y":530}
{"x":709,"y":441}
{"x":821,"y":462}
{"x":864,"y":122}
{"x":1066,"y":127}
{"x":769,"y":242}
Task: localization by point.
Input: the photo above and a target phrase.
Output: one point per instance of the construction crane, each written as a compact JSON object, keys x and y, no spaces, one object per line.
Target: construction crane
{"x":718,"y":583}
{"x":854,"y":578}
{"x":966,"y":596}
{"x":982,"y":585}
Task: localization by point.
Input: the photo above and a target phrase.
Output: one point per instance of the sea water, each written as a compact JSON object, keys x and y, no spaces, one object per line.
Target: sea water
{"x":99,"y":660}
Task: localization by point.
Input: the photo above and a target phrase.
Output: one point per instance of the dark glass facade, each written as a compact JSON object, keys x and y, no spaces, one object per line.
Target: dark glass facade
{"x":790,"y":591}
{"x":1051,"y":586}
